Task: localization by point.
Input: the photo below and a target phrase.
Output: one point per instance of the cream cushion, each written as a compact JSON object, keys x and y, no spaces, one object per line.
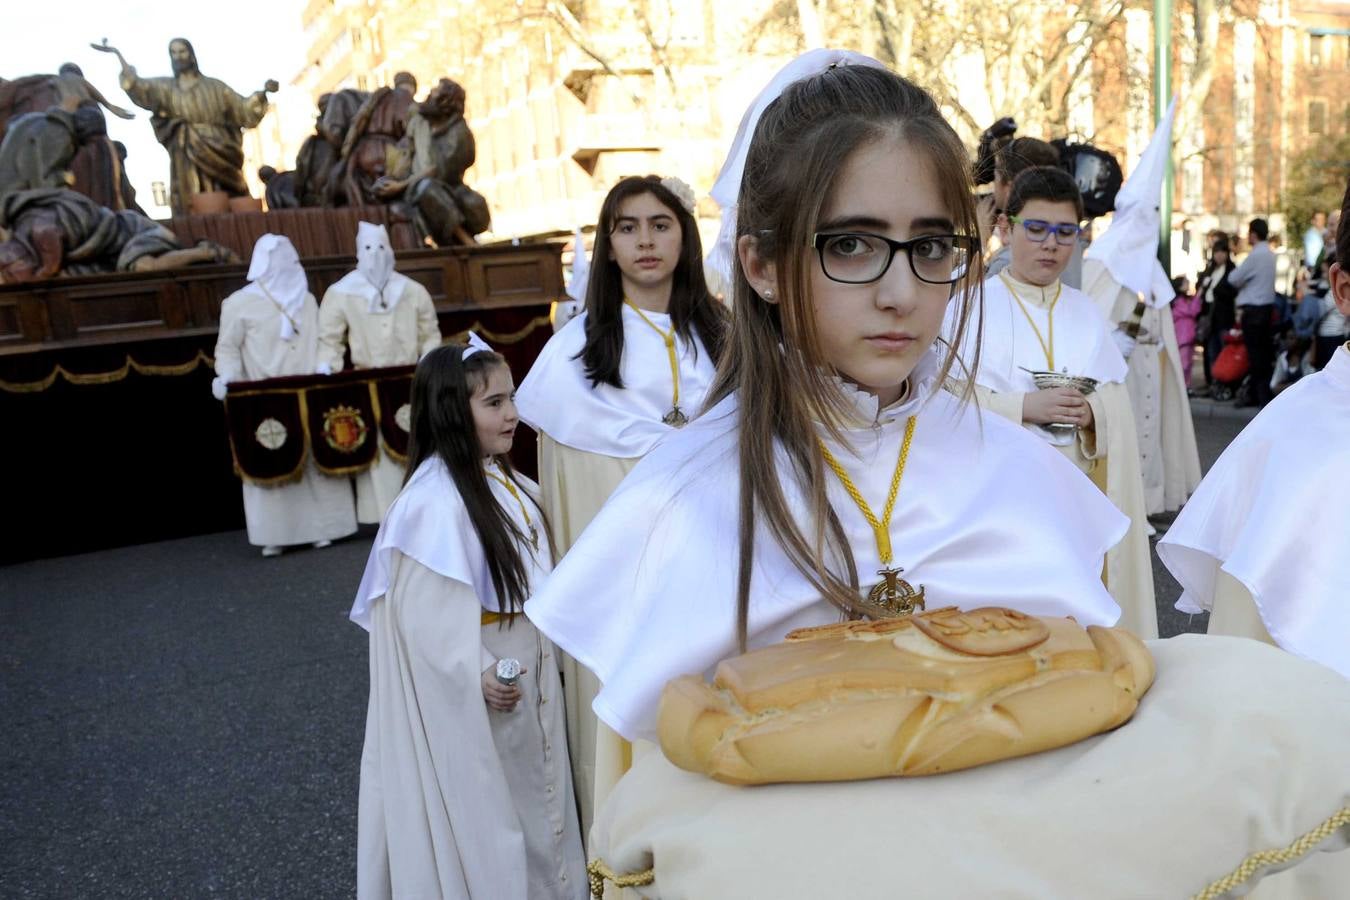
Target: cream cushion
{"x":1238,"y":748}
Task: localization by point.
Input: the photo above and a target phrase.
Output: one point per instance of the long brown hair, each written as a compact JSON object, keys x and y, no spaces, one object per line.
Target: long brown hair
{"x":773,"y":360}
{"x":692,"y":307}
{"x":442,"y":426}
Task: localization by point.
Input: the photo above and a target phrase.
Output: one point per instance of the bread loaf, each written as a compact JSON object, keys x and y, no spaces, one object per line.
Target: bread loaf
{"x":935,"y":692}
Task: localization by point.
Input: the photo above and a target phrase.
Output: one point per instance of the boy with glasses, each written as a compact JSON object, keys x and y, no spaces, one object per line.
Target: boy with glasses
{"x":1033,"y":322}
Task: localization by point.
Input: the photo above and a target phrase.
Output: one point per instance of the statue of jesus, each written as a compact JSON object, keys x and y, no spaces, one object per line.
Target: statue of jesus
{"x":200,"y":122}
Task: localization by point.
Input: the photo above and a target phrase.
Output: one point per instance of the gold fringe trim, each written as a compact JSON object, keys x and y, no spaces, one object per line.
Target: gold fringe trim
{"x":600,"y":873}
{"x":118,"y":374}
{"x":1264,"y":858}
{"x":289,"y":478}
{"x":511,"y":337}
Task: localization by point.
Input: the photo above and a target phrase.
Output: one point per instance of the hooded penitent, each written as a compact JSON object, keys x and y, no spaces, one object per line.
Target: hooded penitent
{"x":275,"y":272}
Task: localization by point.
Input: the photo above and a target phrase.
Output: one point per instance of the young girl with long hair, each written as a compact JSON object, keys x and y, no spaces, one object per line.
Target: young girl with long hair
{"x":630,"y":370}
{"x":466,"y":789}
{"x":833,"y":476}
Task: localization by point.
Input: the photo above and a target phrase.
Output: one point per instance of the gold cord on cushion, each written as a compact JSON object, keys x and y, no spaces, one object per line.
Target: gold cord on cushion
{"x":515,"y":495}
{"x":675,"y":417}
{"x":1046,"y":347}
{"x":880,"y":527}
{"x":600,"y":873}
{"x":1261,"y":859}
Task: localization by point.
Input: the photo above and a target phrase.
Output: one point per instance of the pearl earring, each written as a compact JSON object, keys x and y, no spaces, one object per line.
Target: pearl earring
{"x":768,"y":294}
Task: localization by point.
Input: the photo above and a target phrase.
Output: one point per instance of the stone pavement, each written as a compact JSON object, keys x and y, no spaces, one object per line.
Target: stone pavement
{"x":185,"y":719}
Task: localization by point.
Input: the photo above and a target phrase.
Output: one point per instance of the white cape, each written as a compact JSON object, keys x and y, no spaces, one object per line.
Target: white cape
{"x":429,"y":523}
{"x":1272,"y":513}
{"x":1081,"y":345}
{"x":987,"y":514}
{"x":557,"y":398}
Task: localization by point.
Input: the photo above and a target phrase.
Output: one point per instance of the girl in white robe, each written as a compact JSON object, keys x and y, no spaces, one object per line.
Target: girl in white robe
{"x":268,"y":329}
{"x":1034,"y":322}
{"x":1264,"y":542}
{"x":831,"y":475}
{"x":630,"y":370}
{"x":466,"y":790}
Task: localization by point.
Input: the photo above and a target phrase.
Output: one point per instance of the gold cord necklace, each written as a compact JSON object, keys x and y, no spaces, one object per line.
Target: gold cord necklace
{"x":892,"y":596}
{"x":515,"y":495}
{"x":1047,"y":347}
{"x":676,"y":417}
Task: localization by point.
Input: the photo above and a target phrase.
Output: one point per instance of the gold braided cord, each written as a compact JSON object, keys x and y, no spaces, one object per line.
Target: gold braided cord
{"x":121,"y":372}
{"x":669,"y":338}
{"x":515,"y":495}
{"x":1261,"y":859}
{"x":600,"y":873}
{"x":880,"y":527}
{"x":1047,"y":348}
{"x":508,"y":337}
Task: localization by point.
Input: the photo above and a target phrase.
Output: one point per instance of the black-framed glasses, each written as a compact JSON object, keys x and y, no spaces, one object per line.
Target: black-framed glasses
{"x":1038,"y":230}
{"x":857,"y":257}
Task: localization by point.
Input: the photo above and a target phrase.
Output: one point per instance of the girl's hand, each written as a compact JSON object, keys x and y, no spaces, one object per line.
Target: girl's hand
{"x":501,"y":697}
{"x":1059,"y":406}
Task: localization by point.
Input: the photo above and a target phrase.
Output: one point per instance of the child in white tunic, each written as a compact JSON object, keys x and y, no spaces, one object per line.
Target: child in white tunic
{"x":466,"y":790}
{"x":1034,"y":322}
{"x":269,"y":329}
{"x":384,"y":319}
{"x":631,"y":369}
{"x":1263,"y":542}
{"x":832,"y":476}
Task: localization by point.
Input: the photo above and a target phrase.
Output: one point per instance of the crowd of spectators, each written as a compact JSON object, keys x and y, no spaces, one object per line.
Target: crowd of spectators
{"x":1255,"y":339}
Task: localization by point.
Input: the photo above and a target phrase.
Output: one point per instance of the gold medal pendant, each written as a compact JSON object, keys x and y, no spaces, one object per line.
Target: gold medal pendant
{"x":895,"y":595}
{"x":675,"y":418}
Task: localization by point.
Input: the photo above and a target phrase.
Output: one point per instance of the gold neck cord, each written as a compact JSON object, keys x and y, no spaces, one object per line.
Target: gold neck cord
{"x":1047,"y":347}
{"x":515,"y":495}
{"x":881,"y":527}
{"x":675,"y":417}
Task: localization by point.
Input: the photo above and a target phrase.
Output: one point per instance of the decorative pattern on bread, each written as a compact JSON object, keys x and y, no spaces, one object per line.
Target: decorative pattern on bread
{"x":935,"y":692}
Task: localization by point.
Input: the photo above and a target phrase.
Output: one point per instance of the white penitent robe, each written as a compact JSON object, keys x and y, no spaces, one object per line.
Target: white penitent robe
{"x":1265,"y":540}
{"x":590,"y":437}
{"x":249,"y":347}
{"x":393,"y":327}
{"x":1080,"y":342}
{"x":458,"y":800}
{"x":986,"y":514}
{"x":1169,"y":457}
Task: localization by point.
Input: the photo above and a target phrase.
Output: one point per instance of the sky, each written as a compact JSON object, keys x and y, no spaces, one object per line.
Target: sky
{"x":252,"y":42}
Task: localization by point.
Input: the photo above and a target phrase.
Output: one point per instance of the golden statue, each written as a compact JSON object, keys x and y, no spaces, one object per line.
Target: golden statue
{"x":200,"y":122}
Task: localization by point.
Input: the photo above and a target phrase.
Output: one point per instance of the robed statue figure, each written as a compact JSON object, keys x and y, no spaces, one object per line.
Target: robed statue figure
{"x":200,"y":122}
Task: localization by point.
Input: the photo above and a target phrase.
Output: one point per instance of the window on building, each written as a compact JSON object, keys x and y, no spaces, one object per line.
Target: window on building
{"x":1345,"y":125}
{"x":1315,"y":49}
{"x":1317,"y":117}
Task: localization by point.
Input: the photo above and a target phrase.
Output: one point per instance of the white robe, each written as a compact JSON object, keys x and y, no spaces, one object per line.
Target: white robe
{"x":249,"y":348}
{"x":1080,"y":343}
{"x":649,"y":592}
{"x":589,"y":439}
{"x":351,"y":317}
{"x":1169,"y":457}
{"x":556,"y":398}
{"x":457,"y":800}
{"x":1272,"y":516}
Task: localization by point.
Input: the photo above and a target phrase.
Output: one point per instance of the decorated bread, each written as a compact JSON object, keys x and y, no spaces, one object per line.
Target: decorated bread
{"x":934,"y":692}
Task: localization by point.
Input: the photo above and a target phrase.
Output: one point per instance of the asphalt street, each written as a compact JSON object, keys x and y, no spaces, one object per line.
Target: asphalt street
{"x":184,"y":719}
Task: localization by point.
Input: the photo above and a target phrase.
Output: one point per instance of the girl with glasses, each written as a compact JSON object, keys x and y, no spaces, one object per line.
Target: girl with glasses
{"x":1033,"y":322}
{"x":833,"y":477}
{"x":830,"y":476}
